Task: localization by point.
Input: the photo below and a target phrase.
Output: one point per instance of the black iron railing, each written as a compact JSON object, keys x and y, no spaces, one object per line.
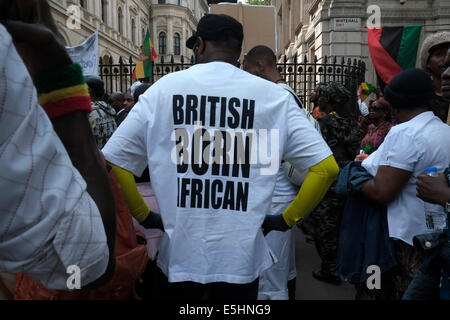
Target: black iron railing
{"x":301,"y":76}
{"x":304,"y":76}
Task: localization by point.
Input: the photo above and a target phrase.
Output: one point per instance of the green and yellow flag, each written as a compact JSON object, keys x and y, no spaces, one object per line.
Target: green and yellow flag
{"x":148,"y":54}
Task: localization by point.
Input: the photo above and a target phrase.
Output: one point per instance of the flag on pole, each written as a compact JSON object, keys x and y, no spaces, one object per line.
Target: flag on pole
{"x":393,"y":49}
{"x":144,"y":68}
{"x":86,"y":54}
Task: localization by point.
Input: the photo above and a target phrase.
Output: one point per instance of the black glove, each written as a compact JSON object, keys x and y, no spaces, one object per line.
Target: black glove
{"x":276,"y":223}
{"x":153,"y":221}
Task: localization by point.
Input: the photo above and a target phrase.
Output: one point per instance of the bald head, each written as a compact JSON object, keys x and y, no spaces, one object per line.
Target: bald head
{"x":261,"y":53}
{"x":261,"y":61}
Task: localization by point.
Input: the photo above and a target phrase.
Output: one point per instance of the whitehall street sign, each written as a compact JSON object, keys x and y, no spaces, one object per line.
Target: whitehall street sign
{"x":347,"y":24}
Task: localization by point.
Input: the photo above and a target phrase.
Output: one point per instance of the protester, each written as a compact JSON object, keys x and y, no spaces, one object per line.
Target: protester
{"x":379,"y":116}
{"x":432,"y":55}
{"x":129,"y":98}
{"x":46,"y":208}
{"x":102,"y":117}
{"x":408,"y":149}
{"x":212,"y":211}
{"x":343,"y":137}
{"x":278,"y":282}
{"x":117,"y":101}
{"x":435,"y":271}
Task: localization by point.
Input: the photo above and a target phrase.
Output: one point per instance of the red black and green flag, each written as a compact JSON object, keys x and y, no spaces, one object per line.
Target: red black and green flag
{"x":393,"y":49}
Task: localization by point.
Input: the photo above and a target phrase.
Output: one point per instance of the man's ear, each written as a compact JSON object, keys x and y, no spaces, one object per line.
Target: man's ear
{"x":201,"y":45}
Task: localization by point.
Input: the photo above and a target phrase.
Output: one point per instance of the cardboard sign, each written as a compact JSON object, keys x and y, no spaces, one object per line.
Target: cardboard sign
{"x":259,"y":24}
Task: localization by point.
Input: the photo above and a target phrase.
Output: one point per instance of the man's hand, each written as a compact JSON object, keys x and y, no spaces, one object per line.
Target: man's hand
{"x":433,"y":189}
{"x":276,"y":223}
{"x":31,"y":28}
{"x":153,"y":221}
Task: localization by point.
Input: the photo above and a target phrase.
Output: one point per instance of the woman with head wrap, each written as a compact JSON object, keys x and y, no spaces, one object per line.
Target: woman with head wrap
{"x":379,"y":113}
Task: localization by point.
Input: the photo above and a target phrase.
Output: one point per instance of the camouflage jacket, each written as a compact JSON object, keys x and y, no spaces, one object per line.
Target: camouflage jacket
{"x":343,"y":136}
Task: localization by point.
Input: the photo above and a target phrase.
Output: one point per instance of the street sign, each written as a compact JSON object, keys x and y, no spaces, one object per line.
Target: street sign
{"x":347,"y":24}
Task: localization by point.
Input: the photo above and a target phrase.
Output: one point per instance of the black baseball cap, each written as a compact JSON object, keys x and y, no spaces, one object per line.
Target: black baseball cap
{"x":213,"y":26}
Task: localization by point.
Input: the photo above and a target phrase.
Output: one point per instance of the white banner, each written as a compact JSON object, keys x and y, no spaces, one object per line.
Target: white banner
{"x":86,"y":54}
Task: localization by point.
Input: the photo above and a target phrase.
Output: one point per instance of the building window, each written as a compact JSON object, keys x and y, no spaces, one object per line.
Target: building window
{"x":120,"y":19}
{"x":104,"y":10}
{"x":176,"y":44}
{"x":133,"y":31}
{"x":144,"y":33}
{"x":178,"y":2}
{"x":161,"y":1}
{"x":162,"y":43}
{"x":83,"y":3}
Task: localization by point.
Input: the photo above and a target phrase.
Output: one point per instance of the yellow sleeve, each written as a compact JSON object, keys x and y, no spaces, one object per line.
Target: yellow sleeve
{"x":133,"y":198}
{"x":317,"y":182}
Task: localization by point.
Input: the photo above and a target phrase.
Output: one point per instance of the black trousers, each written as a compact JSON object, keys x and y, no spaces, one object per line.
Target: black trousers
{"x":193,"y":291}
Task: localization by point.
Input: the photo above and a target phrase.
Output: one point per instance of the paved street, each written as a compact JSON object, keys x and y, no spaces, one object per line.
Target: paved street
{"x":309,"y":288}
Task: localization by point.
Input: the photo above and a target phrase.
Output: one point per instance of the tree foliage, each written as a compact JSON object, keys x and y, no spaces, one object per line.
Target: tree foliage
{"x":259,"y":2}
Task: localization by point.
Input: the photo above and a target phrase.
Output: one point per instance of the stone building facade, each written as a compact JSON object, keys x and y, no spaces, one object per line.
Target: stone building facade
{"x":172,"y":23}
{"x":337,"y":27}
{"x":122,"y":24}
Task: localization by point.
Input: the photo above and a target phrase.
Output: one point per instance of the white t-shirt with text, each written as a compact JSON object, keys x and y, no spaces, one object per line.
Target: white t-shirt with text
{"x":213,"y":210}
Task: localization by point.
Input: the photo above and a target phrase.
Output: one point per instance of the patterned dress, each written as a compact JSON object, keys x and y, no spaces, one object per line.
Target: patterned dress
{"x":103,"y":123}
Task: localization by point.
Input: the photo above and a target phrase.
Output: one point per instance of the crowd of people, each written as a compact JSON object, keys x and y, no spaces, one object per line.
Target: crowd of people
{"x":77,"y":164}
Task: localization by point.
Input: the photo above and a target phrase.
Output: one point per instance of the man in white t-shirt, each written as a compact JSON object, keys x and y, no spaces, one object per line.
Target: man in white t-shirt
{"x":278,"y":282}
{"x":420,"y":141}
{"x":213,"y":137}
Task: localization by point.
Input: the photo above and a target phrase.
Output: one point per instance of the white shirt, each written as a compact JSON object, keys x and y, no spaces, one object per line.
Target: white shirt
{"x":48,"y":221}
{"x":213,"y":219}
{"x":285,"y":190}
{"x":412,"y":146}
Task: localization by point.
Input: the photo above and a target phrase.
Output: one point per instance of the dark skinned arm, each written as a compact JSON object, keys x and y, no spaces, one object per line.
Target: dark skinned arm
{"x":433,"y":189}
{"x":76,"y":134}
{"x":41,"y":51}
{"x":386,"y":185}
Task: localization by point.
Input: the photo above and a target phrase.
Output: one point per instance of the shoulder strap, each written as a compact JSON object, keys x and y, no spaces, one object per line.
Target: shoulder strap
{"x":297,"y":99}
{"x":307,"y":114}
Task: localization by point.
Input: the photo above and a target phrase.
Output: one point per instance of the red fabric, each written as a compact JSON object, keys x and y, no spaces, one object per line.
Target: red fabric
{"x":317,"y":114}
{"x":66,"y":106}
{"x":386,"y":67}
{"x":131,"y":260}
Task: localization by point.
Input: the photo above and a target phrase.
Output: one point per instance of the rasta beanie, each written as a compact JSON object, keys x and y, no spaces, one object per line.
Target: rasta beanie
{"x":410,"y":88}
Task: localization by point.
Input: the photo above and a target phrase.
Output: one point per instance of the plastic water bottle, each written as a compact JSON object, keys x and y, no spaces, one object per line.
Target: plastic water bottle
{"x":435,"y":214}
